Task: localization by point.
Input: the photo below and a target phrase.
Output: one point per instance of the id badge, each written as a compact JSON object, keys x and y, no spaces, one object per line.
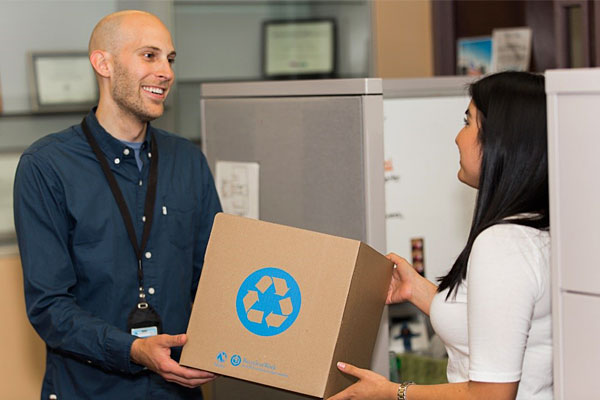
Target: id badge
{"x":144,"y":321}
{"x":145,"y":332}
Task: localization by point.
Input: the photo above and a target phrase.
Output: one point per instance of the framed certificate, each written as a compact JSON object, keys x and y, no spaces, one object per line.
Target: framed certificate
{"x":62,"y":81}
{"x":298,"y":49}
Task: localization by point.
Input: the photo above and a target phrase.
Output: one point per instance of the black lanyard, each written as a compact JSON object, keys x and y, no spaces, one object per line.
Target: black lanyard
{"x":118,"y":195}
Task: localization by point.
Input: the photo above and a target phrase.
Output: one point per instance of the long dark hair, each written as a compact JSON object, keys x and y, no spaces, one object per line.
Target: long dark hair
{"x":514,"y":165}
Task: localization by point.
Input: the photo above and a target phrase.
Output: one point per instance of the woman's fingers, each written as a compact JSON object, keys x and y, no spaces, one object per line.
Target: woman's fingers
{"x":351,"y":370}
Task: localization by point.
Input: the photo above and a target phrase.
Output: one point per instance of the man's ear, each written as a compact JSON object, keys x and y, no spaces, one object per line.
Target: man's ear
{"x":101,"y":62}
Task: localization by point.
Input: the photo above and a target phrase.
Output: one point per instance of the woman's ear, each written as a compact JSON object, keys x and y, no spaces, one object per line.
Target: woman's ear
{"x":101,"y":62}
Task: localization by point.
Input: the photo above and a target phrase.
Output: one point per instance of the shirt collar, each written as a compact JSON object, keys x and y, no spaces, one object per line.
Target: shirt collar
{"x":110,"y":145}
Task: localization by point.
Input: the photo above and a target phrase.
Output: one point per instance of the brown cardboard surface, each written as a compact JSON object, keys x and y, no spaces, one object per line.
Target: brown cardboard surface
{"x":323,"y":266}
{"x":23,"y":352}
{"x":360,"y":323}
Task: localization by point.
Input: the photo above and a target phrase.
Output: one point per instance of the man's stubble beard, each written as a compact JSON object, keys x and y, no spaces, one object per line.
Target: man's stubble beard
{"x":125,"y":93}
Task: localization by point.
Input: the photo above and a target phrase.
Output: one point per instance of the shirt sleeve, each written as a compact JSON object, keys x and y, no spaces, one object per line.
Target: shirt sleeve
{"x":42,"y":225}
{"x":502,"y":291}
{"x":209,"y":207}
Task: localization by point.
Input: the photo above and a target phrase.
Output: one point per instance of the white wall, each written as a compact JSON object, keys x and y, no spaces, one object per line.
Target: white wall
{"x":223,"y":41}
{"x":424,"y":198}
{"x":355,"y":36}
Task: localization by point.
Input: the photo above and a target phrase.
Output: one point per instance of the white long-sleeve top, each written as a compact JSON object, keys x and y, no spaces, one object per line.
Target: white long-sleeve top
{"x":499,"y":328}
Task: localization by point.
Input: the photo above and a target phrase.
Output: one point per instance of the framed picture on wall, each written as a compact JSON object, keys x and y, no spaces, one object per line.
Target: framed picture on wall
{"x":62,"y":81}
{"x":474,"y":55}
{"x":511,"y":49}
{"x":299,"y":49}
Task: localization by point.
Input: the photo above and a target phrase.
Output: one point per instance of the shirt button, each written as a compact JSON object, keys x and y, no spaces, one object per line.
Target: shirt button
{"x":126,"y":151}
{"x":53,"y":397}
{"x":144,"y":220}
{"x":151,"y":290}
{"x":117,"y":161}
{"x":89,"y":361}
{"x":140,"y":182}
{"x":148,"y":255}
{"x":149,"y":155}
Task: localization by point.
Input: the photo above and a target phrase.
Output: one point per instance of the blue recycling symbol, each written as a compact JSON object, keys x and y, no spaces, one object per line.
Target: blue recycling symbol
{"x":268,"y":301}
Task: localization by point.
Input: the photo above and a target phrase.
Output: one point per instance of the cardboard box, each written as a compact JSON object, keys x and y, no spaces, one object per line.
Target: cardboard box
{"x":281,"y":306}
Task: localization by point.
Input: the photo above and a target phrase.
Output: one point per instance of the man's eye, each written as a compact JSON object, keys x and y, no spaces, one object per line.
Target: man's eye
{"x":148,"y":55}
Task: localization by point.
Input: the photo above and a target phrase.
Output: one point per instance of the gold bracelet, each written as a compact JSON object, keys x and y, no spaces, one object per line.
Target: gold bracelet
{"x":402,"y":390}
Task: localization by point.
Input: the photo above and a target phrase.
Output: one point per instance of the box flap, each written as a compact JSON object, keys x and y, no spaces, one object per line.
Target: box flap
{"x":362,"y":316}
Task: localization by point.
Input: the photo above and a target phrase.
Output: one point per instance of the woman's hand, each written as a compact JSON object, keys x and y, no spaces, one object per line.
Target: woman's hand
{"x":370,"y":386}
{"x":408,"y":285}
{"x":401,"y":286}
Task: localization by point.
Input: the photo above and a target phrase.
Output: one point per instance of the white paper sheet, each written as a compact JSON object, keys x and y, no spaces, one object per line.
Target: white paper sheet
{"x":238,"y":187}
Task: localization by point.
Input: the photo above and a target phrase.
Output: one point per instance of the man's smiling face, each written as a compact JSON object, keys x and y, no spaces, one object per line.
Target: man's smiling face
{"x":143,"y":68}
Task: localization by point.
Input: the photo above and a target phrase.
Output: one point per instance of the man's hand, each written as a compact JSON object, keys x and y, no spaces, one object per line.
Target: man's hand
{"x":155,"y":353}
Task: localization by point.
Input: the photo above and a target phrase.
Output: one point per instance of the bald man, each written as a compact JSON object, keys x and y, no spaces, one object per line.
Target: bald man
{"x":113,"y":218}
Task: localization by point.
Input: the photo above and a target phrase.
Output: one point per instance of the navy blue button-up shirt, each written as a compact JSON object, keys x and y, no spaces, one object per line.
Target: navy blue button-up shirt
{"x":79,"y":266}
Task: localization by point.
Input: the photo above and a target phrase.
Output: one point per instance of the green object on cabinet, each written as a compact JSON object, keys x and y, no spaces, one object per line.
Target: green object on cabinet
{"x":422,"y":369}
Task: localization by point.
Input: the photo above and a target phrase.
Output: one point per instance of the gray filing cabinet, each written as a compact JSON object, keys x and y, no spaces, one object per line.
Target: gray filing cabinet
{"x":319,"y":146}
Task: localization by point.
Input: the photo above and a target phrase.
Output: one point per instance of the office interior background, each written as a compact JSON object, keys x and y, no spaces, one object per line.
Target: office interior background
{"x":220,"y":41}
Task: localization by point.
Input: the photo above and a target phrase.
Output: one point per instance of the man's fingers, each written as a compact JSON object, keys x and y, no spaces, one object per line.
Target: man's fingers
{"x":198,"y":382}
{"x":182,"y":339}
{"x":190,"y":383}
{"x":350,"y":370}
{"x":171,"y":367}
{"x":172,"y":340}
{"x":191,"y":373}
{"x":171,"y":371}
{"x":176,"y":379}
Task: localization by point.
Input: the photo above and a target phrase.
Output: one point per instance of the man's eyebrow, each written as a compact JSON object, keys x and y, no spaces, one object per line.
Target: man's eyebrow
{"x":172,"y":53}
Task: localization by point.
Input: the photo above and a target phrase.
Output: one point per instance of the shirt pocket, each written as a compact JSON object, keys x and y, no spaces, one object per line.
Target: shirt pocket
{"x":180,"y":222}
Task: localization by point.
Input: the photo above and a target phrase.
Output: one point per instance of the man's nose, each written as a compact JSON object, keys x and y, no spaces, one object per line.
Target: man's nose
{"x":165,"y":70}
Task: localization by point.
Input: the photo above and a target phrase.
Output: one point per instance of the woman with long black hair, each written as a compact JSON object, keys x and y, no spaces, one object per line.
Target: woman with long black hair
{"x":493,"y":308}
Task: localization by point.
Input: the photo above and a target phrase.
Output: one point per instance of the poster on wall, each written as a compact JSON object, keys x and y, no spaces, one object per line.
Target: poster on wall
{"x":474,"y":56}
{"x":238,"y":187}
{"x":511,"y":49}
